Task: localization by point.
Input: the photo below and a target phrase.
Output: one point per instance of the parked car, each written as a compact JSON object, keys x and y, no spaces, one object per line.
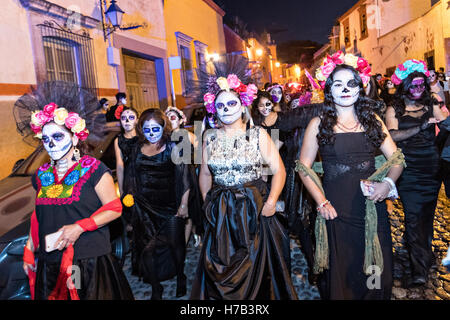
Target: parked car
{"x":17,"y":200}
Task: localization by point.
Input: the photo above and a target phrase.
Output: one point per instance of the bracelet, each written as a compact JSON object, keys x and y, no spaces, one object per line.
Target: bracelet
{"x":323,"y":204}
{"x":390,"y":181}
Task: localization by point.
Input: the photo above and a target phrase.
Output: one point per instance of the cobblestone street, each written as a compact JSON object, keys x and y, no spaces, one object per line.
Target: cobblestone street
{"x":437,"y":288}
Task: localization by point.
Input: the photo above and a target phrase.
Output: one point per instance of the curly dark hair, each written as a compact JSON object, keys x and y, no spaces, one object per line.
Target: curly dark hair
{"x":398,"y":102}
{"x":161,"y":119}
{"x":364,"y":109}
{"x":257,"y":117}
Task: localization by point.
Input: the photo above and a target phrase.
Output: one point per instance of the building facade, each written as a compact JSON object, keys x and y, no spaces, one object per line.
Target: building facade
{"x":64,"y":40}
{"x":387,"y":33}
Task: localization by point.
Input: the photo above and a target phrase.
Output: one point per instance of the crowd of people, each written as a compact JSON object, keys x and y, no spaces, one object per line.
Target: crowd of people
{"x":271,"y":164}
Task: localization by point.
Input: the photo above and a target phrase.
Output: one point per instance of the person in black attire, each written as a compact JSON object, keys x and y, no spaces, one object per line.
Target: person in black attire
{"x":111,"y":115}
{"x":411,"y":121}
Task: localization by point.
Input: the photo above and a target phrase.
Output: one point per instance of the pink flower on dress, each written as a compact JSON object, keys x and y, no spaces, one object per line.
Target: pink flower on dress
{"x":72,"y":120}
{"x":233,"y":81}
{"x":86,"y":162}
{"x":44,"y":167}
{"x":49,"y":109}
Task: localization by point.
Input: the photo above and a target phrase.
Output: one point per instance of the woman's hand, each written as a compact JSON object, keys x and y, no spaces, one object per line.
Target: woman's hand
{"x":380,"y":191}
{"x":269,"y":209}
{"x":70,"y":234}
{"x":182,"y":212}
{"x":328,"y":212}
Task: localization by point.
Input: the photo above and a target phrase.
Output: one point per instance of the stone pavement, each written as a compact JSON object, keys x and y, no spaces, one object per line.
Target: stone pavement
{"x":143,"y":291}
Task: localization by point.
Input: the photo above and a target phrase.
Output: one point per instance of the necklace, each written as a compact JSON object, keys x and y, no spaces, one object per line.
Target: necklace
{"x":347,"y":129}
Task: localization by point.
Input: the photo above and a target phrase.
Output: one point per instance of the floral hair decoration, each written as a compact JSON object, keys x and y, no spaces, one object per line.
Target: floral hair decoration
{"x":178,"y":112}
{"x":118,"y":112}
{"x":331,"y":62}
{"x":247,"y":93}
{"x":406,"y":68}
{"x":60,"y":116}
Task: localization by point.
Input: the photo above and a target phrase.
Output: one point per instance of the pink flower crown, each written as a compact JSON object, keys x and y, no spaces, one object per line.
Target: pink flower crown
{"x":247,"y":93}
{"x":60,"y":116}
{"x":406,"y":68}
{"x":331,"y":62}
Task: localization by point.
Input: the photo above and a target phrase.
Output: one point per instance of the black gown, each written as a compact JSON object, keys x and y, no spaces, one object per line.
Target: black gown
{"x":350,"y":159}
{"x":418,"y":188}
{"x":158,"y":244}
{"x":60,"y":203}
{"x":244,"y":254}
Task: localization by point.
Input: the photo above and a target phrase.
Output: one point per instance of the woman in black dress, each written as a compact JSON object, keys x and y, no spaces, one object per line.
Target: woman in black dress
{"x":411,"y":120}
{"x":245,"y":253}
{"x":75,"y":197}
{"x":161,"y":193}
{"x":123,"y":146}
{"x":347,"y":134}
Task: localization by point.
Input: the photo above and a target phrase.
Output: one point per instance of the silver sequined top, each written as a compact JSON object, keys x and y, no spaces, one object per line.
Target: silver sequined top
{"x":233,"y":160}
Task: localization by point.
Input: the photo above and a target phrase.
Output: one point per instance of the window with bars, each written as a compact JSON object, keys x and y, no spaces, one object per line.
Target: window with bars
{"x":69,"y":56}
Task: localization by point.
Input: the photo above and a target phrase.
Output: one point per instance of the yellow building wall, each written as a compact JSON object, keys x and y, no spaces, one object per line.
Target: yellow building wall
{"x":198,"y":20}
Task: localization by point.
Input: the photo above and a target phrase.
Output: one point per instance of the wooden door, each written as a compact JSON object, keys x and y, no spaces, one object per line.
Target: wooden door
{"x":140,"y":78}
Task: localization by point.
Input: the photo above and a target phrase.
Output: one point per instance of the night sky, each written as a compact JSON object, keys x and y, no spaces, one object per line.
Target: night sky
{"x":303,"y":19}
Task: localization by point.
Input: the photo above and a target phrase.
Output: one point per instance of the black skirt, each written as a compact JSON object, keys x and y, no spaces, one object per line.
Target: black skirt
{"x":245,"y":256}
{"x":100,"y":278}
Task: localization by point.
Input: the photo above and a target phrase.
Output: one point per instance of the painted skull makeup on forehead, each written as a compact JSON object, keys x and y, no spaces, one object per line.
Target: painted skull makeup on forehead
{"x":128,"y":120}
{"x":229,"y":107}
{"x":265,"y":106}
{"x":277,"y":94}
{"x":153,"y":131}
{"x":57,"y":141}
{"x":345,"y":89}
{"x":417,"y":88}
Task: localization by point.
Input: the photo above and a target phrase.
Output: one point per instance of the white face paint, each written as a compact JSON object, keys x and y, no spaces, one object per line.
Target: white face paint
{"x":123,"y":101}
{"x":174,"y":119}
{"x":265,"y":106}
{"x":57,"y":140}
{"x":294,"y":103}
{"x":390,"y":85}
{"x":128,"y":120}
{"x":277,"y":94}
{"x":345,"y":89}
{"x":153,"y":131}
{"x":229,"y":107}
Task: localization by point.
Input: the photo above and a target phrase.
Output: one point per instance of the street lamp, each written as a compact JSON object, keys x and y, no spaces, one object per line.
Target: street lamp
{"x":259,"y":52}
{"x":277,"y":64}
{"x":114,"y":14}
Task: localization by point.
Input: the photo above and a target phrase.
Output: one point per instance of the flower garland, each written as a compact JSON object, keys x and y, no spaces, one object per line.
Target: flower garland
{"x":406,"y":68}
{"x":331,"y":62}
{"x":246,"y":93}
{"x":60,"y":116}
{"x":118,"y":112}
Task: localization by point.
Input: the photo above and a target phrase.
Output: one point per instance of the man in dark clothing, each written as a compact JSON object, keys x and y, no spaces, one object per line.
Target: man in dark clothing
{"x":121,"y":98}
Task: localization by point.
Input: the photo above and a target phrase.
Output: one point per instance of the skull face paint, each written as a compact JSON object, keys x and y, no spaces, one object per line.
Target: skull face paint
{"x":344,"y":89}
{"x":432,"y":76}
{"x":174,"y":119}
{"x":294,"y":103}
{"x":417,"y":88}
{"x":57,"y":141}
{"x":128,"y":120}
{"x":265,"y":106}
{"x":277,"y":94}
{"x":153,"y":131}
{"x":229,"y":107}
{"x":390,"y":85}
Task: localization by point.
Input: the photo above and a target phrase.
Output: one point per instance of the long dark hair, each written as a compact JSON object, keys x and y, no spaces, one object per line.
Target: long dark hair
{"x":161,"y":119}
{"x":398,"y":103}
{"x":257,"y":117}
{"x":364,"y":109}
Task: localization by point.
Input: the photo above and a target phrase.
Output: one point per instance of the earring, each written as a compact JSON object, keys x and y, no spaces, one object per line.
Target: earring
{"x":76,"y":154}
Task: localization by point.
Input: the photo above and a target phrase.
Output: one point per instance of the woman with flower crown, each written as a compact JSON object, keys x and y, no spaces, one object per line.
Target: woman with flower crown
{"x":245,"y":253}
{"x":411,"y":119}
{"x":353,"y":238}
{"x":76,"y":199}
